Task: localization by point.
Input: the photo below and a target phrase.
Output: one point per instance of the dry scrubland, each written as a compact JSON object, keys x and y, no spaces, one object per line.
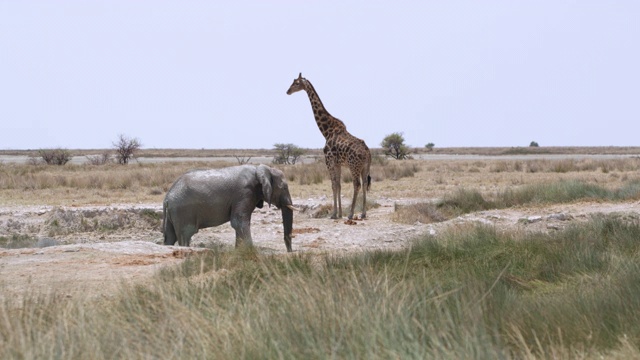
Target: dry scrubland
{"x":143,"y":183}
{"x":469,"y":291}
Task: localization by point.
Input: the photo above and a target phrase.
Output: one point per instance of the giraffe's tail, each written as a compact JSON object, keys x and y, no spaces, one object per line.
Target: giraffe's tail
{"x":368,"y":182}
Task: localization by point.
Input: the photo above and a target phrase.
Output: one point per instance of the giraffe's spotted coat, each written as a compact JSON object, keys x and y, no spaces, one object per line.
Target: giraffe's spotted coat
{"x":341,"y":148}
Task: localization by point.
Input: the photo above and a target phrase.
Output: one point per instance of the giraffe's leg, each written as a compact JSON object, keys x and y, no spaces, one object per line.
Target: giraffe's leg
{"x":338,"y":182}
{"x":364,"y":197}
{"x":356,"y":189}
{"x":334,"y":171}
{"x":366,"y":182}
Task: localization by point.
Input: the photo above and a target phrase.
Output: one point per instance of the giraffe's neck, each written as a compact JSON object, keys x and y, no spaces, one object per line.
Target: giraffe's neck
{"x":328,"y":125}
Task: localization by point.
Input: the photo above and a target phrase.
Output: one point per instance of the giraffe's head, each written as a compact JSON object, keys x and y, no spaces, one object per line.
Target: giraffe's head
{"x":298,"y":84}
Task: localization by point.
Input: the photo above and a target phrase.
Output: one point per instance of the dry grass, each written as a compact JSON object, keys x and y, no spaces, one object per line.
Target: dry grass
{"x":567,"y":165}
{"x":22,"y":184}
{"x":381,"y":169}
{"x":422,"y":212}
{"x":570,"y":150}
{"x":90,"y":184}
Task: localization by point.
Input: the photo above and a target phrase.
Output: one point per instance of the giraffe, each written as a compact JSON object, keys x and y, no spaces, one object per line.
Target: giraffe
{"x":341,"y":148}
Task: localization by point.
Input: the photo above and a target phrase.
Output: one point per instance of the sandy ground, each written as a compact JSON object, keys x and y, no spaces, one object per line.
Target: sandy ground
{"x":90,"y":251}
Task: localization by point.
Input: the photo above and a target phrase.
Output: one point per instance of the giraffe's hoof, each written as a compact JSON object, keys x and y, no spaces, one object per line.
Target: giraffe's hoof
{"x":334,"y":217}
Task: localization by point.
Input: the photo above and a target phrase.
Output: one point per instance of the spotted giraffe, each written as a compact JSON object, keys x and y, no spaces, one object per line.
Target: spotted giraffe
{"x":341,"y":148}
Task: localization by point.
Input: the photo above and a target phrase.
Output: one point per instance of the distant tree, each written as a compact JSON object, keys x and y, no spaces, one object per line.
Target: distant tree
{"x":55,"y":156}
{"x":430,"y":146}
{"x":393,"y":146}
{"x":287,"y":153}
{"x":533,"y":144}
{"x":126,"y":148}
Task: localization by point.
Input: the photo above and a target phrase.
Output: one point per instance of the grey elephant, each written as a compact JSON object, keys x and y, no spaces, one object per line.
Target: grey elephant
{"x":205,"y":198}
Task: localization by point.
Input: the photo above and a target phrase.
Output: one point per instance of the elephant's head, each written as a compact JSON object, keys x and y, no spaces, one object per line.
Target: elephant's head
{"x":298,"y":84}
{"x":276,"y":191}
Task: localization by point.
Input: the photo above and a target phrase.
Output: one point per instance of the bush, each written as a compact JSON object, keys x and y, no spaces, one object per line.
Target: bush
{"x":55,"y":156}
{"x":533,"y":144}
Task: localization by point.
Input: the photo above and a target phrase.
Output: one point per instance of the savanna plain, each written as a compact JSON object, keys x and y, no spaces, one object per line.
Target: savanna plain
{"x":465,"y":253}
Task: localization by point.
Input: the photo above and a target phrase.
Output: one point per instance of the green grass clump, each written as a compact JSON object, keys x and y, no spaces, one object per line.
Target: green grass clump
{"x":470,"y":292}
{"x":464,"y":201}
{"x":17,"y":241}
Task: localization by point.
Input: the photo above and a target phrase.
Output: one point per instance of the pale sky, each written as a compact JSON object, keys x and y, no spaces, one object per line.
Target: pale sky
{"x":212,"y":74}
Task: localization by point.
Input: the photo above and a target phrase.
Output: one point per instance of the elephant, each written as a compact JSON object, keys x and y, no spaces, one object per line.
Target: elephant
{"x":205,"y":198}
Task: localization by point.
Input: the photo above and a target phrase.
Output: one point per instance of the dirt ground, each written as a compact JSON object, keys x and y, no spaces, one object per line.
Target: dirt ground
{"x":90,"y":250}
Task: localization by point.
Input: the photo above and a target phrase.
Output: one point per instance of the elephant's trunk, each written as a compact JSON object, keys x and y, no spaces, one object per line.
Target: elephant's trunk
{"x":287,"y":223}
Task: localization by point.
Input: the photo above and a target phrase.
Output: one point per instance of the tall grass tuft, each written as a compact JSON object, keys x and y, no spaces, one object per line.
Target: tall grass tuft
{"x":463,"y":201}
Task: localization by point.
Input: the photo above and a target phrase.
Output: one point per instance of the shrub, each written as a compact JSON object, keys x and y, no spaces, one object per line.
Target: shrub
{"x":101,"y":159}
{"x":55,"y":156}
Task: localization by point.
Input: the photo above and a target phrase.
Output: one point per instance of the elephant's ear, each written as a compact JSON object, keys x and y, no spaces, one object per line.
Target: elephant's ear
{"x":264,"y":176}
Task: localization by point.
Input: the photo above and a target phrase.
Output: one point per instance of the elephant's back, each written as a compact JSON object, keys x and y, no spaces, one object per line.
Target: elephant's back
{"x":203,"y":185}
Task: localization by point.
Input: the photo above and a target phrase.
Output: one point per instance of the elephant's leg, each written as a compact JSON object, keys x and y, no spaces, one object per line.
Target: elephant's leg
{"x":241,"y":223}
{"x":184,"y":236}
{"x":169,"y":233}
{"x":356,"y":189}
